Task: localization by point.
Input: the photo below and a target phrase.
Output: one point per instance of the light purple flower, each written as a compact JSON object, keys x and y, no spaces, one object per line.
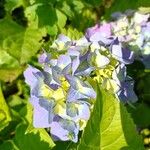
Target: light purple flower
{"x":126,"y":92}
{"x":126,"y":84}
{"x":29,"y":76}
{"x":44,"y":58}
{"x":99,"y":33}
{"x":121,"y":53}
{"x":78,"y":110}
{"x":74,"y":95}
{"x":80,"y":61}
{"x":61,"y":43}
{"x":120,"y":73}
{"x":98,"y":30}
{"x":79,"y":89}
{"x":63,"y":64}
{"x":64,"y":130}
{"x":42,"y":112}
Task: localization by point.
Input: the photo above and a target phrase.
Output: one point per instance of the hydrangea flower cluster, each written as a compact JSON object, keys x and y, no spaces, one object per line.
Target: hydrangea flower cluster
{"x":133,"y":29}
{"x":60,"y":91}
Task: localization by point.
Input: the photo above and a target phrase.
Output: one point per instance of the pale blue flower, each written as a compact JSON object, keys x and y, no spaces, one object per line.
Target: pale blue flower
{"x":126,"y":84}
{"x":64,"y":130}
{"x":79,"y":89}
{"x":126,"y":92}
{"x":121,"y":53}
{"x":42,"y":112}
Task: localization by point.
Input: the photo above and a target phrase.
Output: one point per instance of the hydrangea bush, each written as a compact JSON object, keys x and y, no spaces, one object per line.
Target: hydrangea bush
{"x":74,"y":75}
{"x":63,"y":90}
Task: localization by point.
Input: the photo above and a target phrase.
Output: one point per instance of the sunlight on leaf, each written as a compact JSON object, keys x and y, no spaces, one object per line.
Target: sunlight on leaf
{"x":110,"y":126}
{"x":5,"y":117}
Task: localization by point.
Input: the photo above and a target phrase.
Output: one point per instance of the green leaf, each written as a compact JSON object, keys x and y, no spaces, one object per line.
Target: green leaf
{"x":36,"y":139}
{"x":26,"y":112}
{"x":9,"y":67}
{"x":94,"y":2}
{"x":7,"y":61}
{"x":5,"y":117}
{"x":10,"y":5}
{"x":142,"y":87}
{"x":61,"y":145}
{"x":52,"y":30}
{"x":19,"y":42}
{"x":8,"y":145}
{"x":8,"y":75}
{"x":61,"y":18}
{"x":42,"y":15}
{"x":78,"y":5}
{"x":46,"y":15}
{"x":72,"y":33}
{"x":110,"y":126}
{"x":66,"y":8}
{"x":8,"y":28}
{"x":141,"y":115}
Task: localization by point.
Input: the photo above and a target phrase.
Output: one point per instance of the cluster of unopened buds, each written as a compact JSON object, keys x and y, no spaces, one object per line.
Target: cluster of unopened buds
{"x":62,"y":93}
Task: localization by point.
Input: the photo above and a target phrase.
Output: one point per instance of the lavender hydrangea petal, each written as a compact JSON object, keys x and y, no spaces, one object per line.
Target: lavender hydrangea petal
{"x":41,"y":116}
{"x":122,"y":54}
{"x":63,"y":38}
{"x":74,"y":95}
{"x":71,"y":109}
{"x":54,"y":73}
{"x":59,"y":132}
{"x":84,"y":111}
{"x":65,"y":130}
{"x":127,"y":93}
{"x":30,"y":78}
{"x":105,"y":30}
{"x":79,"y":111}
{"x":120,"y":73}
{"x":81,"y":87}
{"x":85,"y":72}
{"x":99,"y":33}
{"x":44,"y":58}
{"x":91,"y":31}
{"x":63,"y":61}
{"x":62,"y":43}
{"x":75,"y":65}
